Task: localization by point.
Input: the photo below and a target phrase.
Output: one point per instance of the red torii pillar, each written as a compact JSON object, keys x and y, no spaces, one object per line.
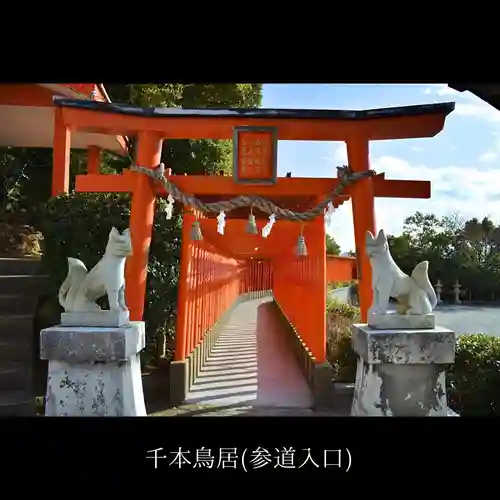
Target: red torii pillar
{"x":94,"y":160}
{"x":60,"y":154}
{"x":149,"y":145}
{"x":363,"y":212}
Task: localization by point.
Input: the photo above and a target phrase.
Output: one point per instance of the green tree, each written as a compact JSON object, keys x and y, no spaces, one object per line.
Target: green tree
{"x":332,"y":247}
{"x":183,"y":156}
{"x":456,"y":249}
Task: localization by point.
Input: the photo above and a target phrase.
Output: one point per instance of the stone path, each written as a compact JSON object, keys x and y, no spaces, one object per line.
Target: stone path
{"x":250,"y":372}
{"x":251,"y":365}
{"x":244,"y":411}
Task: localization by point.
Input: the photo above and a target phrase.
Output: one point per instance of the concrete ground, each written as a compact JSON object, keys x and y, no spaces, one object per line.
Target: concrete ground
{"x":251,"y":365}
{"x":244,"y":411}
{"x":464,"y":318}
{"x":469,"y":318}
{"x":250,"y":372}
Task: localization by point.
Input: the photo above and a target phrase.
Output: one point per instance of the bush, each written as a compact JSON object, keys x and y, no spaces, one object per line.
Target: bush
{"x":78,"y":225}
{"x":339,"y":318}
{"x":333,"y":285}
{"x":474,"y":379}
{"x":341,"y":309}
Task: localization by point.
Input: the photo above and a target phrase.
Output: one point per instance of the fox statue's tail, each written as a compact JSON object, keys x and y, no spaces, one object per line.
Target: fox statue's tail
{"x":76,"y":274}
{"x":421,"y":277}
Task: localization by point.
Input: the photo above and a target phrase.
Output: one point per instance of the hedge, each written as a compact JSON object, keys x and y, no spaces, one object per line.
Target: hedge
{"x":339,"y":318}
{"x":474,"y":378}
{"x":78,"y":225}
{"x":473,"y":381}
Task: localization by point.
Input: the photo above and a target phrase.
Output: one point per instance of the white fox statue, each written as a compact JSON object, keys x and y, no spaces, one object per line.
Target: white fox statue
{"x":82,"y":288}
{"x":415,"y":294}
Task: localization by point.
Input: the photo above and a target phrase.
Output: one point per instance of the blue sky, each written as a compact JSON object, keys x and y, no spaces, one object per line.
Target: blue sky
{"x":462,"y":162}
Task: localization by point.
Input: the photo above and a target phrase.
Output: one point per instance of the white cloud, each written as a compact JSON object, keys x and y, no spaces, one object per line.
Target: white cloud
{"x":479,"y":110}
{"x":445,"y":90}
{"x":468,"y":191}
{"x":492,"y":155}
{"x":440,"y":89}
{"x":488,"y":156}
{"x":340,"y":154}
{"x":467,"y":104}
{"x":417,"y":149}
{"x":479,"y":196}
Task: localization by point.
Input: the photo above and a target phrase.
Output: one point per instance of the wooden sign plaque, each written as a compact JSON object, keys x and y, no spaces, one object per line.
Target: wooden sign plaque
{"x":255,"y":155}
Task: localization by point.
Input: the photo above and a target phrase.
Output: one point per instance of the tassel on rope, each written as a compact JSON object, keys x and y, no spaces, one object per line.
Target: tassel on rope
{"x":301,"y":243}
{"x":329,"y":213}
{"x":221,"y":222}
{"x":266,"y":230}
{"x":252,"y":226}
{"x":170,"y":206}
{"x":196,"y":231}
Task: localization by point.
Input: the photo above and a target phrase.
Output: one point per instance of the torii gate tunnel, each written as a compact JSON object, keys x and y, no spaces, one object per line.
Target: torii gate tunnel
{"x":220,"y":270}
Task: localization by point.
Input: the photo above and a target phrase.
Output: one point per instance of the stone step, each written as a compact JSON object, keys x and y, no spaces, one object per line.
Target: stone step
{"x":17,"y":351}
{"x":17,"y":303}
{"x":26,"y":284}
{"x":16,"y":328}
{"x":20,"y":265}
{"x":17,"y":404}
{"x":14,"y":376}
{"x":17,"y":339}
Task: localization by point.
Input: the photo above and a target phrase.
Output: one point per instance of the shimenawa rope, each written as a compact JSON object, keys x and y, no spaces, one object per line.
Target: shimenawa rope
{"x":345,"y":175}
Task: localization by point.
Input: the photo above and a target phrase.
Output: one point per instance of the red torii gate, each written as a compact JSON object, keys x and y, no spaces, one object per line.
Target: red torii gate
{"x":152,"y":126}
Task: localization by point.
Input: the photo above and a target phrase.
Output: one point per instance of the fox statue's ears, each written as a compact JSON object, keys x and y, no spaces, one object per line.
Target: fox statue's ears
{"x":378,"y":240}
{"x":114,"y":232}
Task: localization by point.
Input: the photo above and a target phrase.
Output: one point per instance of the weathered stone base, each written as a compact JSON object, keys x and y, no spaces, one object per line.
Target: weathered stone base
{"x":399,"y":391}
{"x":401,"y":373}
{"x":94,"y":371}
{"x":184,"y":372}
{"x":394,"y":321}
{"x":95,"y":318}
{"x":100,"y":390}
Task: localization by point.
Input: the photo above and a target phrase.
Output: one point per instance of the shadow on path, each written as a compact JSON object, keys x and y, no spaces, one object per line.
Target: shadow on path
{"x":251,"y":366}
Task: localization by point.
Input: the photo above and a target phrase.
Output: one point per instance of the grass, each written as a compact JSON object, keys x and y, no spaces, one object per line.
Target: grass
{"x":339,"y":319}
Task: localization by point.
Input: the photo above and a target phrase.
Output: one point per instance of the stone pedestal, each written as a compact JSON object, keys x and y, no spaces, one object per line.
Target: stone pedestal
{"x":94,"y":371}
{"x":103,"y":318}
{"x":393,"y":321}
{"x":401,"y":372}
